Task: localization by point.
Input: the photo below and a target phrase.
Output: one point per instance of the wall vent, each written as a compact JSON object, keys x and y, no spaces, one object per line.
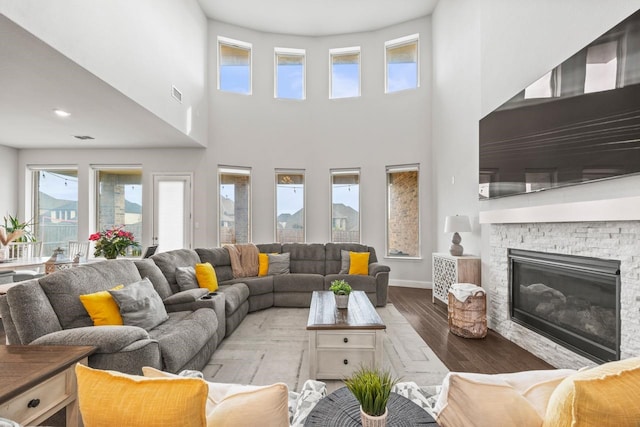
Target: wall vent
{"x":176,"y":94}
{"x":83,"y":137}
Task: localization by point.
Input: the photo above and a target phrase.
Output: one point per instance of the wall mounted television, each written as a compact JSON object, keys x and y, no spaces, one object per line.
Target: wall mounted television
{"x":578,"y":123}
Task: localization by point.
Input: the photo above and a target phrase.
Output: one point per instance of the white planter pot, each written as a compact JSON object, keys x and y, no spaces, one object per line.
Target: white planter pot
{"x":342,"y":301}
{"x":370,"y":421}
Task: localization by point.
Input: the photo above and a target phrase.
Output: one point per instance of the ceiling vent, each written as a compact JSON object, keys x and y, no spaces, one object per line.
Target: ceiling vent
{"x":83,"y":137}
{"x":176,"y":94}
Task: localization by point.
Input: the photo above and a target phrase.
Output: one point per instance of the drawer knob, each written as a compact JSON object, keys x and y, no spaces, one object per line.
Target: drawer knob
{"x":346,"y":339}
{"x":345,"y":361}
{"x":33,"y":403}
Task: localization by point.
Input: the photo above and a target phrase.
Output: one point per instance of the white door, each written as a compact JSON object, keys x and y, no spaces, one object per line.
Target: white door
{"x":172,"y":211}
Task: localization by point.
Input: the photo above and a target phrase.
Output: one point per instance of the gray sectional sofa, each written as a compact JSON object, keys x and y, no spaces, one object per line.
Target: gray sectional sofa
{"x":48,"y":311}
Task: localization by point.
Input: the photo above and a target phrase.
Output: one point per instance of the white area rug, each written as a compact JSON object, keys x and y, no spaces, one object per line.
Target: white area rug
{"x":273,"y":346}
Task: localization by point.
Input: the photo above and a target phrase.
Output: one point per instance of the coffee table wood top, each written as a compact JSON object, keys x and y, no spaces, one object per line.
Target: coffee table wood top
{"x":25,"y":366}
{"x":324,"y":314}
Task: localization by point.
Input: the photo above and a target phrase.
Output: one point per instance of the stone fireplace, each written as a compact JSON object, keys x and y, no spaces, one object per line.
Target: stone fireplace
{"x":618,"y":241}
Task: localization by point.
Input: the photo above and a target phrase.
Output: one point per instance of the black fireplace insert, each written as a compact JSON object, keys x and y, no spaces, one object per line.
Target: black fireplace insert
{"x":573,"y":300}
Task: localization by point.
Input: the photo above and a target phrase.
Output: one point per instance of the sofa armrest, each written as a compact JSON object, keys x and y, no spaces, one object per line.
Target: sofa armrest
{"x":187,"y":296}
{"x":107,"y":339}
{"x":375,"y":268}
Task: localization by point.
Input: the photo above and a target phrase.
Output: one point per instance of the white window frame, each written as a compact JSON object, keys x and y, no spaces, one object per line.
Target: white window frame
{"x":290,"y":52}
{"x":275,"y":200}
{"x":346,"y":171}
{"x":396,"y":169}
{"x":235,"y":170}
{"x":242,"y":45}
{"x":397,"y":43}
{"x":345,"y":51}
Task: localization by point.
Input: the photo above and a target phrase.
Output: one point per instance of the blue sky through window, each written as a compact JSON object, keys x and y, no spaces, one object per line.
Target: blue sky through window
{"x":402,"y":76}
{"x":345,"y":80}
{"x":235,"y":78}
{"x":348,"y":195}
{"x":290,"y":81}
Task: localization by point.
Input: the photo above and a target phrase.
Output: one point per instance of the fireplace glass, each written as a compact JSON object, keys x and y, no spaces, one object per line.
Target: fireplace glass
{"x":573,"y":300}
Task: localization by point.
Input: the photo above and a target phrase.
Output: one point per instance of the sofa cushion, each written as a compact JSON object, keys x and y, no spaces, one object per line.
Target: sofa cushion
{"x":31,"y":312}
{"x":345,"y":257}
{"x":183,"y":335}
{"x":257,"y":285}
{"x":63,"y":288}
{"x":333,"y":255}
{"x":186,"y":278}
{"x":357,"y":282}
{"x":270,"y":248}
{"x":606,"y":395}
{"x":148,"y":268}
{"x":168,"y":261}
{"x":102,"y":308}
{"x":234,"y":296}
{"x":298,"y":283}
{"x":517,"y":399}
{"x":359,"y":263}
{"x":140,"y":305}
{"x":109,"y":398}
{"x":263,"y":264}
{"x":219,"y":259}
{"x":306,"y":257}
{"x":278,"y":264}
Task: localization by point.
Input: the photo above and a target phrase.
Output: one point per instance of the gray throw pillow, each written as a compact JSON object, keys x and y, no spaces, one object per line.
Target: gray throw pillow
{"x":140,"y":305}
{"x":346,"y":262}
{"x":278,"y":263}
{"x":186,"y":278}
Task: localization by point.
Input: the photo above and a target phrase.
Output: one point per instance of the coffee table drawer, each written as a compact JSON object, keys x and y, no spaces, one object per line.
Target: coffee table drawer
{"x":342,"y":363}
{"x":346,"y":339}
{"x":31,"y":404}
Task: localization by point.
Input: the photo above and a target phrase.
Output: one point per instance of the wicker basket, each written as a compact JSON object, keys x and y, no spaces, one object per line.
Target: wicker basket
{"x":468,"y":319}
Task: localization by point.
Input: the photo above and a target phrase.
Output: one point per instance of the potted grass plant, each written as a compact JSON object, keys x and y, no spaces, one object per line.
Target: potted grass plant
{"x":372,"y":388}
{"x":341,"y":290}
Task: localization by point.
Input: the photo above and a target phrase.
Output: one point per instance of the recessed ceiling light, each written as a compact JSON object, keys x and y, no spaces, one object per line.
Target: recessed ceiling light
{"x":61,"y":113}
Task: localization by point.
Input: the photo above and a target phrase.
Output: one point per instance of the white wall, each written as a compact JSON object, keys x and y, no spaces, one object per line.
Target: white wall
{"x":456,"y":111}
{"x":141,"y":48}
{"x":9,"y":180}
{"x":318,"y":134}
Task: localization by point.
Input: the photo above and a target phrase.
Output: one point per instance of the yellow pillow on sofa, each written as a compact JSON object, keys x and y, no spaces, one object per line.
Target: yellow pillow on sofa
{"x":231,"y":405}
{"x":206,"y":276}
{"x":359,"y":263}
{"x":263,"y":268}
{"x":604,"y":396}
{"x":109,"y":398}
{"x":102,"y":308}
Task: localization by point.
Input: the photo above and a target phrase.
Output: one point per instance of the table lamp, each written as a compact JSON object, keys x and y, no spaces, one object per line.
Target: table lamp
{"x":455,"y":224}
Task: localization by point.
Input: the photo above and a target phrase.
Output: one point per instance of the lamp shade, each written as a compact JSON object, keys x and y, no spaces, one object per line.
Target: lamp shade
{"x":457,"y":223}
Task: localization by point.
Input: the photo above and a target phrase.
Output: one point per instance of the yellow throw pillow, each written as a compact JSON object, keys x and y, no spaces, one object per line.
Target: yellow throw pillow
{"x":102,"y":308}
{"x":232,"y":405}
{"x":206,"y":276}
{"x":359,"y":263}
{"x":109,"y":398}
{"x":263,"y":260}
{"x":604,"y":396}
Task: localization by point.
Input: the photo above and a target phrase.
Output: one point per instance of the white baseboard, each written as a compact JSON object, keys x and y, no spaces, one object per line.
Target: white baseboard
{"x":411,"y":284}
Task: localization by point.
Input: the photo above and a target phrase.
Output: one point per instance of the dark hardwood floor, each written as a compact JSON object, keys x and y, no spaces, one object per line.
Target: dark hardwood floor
{"x":490,"y":355}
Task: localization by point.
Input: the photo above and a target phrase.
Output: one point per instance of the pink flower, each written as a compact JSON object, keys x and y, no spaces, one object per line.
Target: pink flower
{"x":95,"y":236}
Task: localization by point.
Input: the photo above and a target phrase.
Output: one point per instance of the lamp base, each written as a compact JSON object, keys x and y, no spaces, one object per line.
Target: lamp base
{"x":456,"y":248}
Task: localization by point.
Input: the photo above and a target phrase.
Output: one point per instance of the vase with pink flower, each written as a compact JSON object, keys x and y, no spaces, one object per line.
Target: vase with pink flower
{"x":112,"y":242}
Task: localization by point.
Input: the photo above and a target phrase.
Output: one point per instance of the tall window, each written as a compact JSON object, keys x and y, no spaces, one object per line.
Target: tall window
{"x":290,"y":206}
{"x":234,"y":66}
{"x":235,"y":205}
{"x":119,"y":200}
{"x":55,"y":202}
{"x":290,"y":73}
{"x":403,"y":211}
{"x":345,"y":205}
{"x":402,"y":65}
{"x":345,"y":72}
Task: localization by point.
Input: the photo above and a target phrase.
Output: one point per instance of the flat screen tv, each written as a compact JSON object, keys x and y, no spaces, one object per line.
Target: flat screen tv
{"x":578,"y":123}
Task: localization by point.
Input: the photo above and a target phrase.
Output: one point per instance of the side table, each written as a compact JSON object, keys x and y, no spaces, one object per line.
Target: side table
{"x":38,"y":381}
{"x":342,"y":409}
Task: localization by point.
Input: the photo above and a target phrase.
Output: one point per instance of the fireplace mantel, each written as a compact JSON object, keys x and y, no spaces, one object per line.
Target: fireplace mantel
{"x":622,"y":209}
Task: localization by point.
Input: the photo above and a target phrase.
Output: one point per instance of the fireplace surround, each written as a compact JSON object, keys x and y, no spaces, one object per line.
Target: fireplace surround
{"x":573,"y":300}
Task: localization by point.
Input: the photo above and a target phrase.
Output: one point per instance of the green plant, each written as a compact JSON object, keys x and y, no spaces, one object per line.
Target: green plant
{"x":12,"y":224}
{"x":372,"y":387}
{"x":340,"y":287}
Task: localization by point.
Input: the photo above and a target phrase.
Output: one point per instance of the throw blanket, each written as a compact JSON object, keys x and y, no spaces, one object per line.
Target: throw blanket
{"x":244,"y":259}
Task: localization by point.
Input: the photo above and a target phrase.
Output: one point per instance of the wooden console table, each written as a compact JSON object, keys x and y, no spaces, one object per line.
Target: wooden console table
{"x":38,"y":381}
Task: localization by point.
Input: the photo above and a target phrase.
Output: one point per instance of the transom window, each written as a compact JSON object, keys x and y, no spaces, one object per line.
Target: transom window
{"x":234,"y":66}
{"x":290,"y":73}
{"x":345,"y":72}
{"x":402,"y":65}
